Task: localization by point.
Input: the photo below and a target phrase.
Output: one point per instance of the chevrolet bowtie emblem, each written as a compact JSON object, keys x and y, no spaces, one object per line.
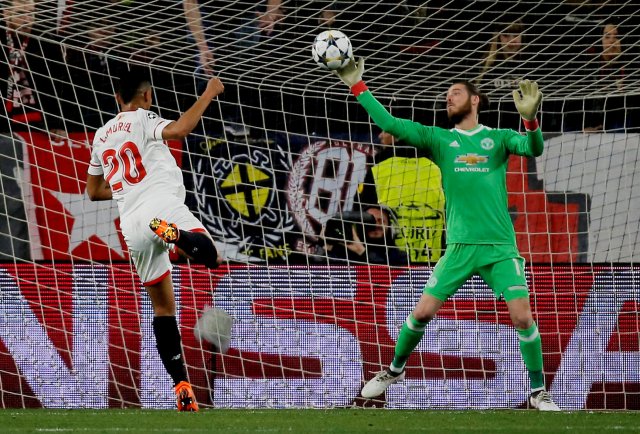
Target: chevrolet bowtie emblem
{"x":471,"y":159}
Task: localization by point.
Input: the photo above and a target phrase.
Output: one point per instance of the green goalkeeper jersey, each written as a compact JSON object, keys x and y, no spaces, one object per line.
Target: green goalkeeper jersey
{"x":474,"y":169}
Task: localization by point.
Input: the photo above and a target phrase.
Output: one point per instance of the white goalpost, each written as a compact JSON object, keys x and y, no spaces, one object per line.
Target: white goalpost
{"x":288,"y":174}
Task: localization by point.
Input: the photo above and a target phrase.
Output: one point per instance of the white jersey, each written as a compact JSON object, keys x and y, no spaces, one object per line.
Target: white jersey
{"x":131,"y":155}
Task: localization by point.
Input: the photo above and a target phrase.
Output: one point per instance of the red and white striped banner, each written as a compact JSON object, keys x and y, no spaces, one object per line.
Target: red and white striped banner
{"x":81,"y":336}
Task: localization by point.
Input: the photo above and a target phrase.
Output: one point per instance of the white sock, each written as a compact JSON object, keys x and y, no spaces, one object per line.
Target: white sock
{"x":395,"y":369}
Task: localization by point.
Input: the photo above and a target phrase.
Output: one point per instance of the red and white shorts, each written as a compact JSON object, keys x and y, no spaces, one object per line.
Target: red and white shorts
{"x":149,"y":253}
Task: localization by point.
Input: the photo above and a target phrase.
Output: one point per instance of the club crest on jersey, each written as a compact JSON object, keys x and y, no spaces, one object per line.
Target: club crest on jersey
{"x":487,"y":143}
{"x":471,"y":159}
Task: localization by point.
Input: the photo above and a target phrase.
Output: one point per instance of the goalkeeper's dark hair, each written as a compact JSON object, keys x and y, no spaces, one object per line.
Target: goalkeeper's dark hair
{"x":131,"y":82}
{"x":473,"y":90}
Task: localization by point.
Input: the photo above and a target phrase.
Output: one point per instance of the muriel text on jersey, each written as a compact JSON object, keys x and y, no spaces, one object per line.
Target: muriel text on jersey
{"x":119,"y":126}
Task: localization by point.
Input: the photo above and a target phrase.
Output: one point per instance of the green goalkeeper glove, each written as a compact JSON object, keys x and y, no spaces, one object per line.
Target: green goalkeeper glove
{"x":528,"y":103}
{"x":351,"y":74}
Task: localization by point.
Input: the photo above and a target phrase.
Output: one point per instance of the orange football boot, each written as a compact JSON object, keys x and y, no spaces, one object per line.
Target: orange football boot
{"x":167,"y":231}
{"x":185,"y":398}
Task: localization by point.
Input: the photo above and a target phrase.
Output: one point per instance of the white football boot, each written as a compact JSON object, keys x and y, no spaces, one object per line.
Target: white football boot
{"x":543,"y":402}
{"x":378,"y":384}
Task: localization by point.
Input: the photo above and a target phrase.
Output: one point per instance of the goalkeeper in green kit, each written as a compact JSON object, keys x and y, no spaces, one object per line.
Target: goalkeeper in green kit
{"x":480,"y":236}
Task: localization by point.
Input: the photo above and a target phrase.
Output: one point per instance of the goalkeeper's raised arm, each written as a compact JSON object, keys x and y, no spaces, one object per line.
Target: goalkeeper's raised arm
{"x":527,"y":102}
{"x":412,"y":132}
{"x":464,"y":103}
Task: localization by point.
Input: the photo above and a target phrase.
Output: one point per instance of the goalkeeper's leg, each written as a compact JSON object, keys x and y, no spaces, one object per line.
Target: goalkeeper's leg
{"x":410,"y":335}
{"x":451,"y":271}
{"x":508,"y":280}
{"x":531,"y":350}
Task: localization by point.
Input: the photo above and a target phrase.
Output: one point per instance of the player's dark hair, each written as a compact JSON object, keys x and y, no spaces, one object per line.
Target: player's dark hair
{"x":473,"y":90}
{"x":131,"y":82}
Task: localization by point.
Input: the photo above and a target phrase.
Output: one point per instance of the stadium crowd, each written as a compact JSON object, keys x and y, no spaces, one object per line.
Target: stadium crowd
{"x":60,"y":59}
{"x":583,"y":54}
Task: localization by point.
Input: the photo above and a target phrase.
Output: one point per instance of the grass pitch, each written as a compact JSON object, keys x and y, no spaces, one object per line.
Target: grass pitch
{"x":315,"y":421}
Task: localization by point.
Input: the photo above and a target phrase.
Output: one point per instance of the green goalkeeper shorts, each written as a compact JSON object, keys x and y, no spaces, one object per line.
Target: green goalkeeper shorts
{"x":500,"y":265}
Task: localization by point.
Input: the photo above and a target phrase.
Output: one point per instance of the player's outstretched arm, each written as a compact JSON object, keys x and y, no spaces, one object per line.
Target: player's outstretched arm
{"x":527,"y":101}
{"x":403,"y":129}
{"x":181,"y":128}
{"x":352,"y":73}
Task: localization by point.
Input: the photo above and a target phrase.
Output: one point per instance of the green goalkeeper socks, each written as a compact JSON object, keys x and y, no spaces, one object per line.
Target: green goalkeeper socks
{"x":531,"y":349}
{"x":410,"y":335}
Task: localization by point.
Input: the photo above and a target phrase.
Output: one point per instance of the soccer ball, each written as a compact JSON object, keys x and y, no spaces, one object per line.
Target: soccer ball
{"x":332,"y":50}
{"x":214,"y":326}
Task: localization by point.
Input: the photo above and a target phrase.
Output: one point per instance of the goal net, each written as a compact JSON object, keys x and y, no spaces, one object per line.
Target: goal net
{"x":329,"y":233}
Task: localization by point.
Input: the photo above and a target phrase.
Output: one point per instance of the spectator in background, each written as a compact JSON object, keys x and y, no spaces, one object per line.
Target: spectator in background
{"x":173,"y":89}
{"x":230,"y":26}
{"x":32,"y":74}
{"x":502,"y":67}
{"x":230,"y":33}
{"x":99,"y":49}
{"x":273,"y":14}
{"x":364,"y":236}
{"x":91,"y":70}
{"x":411,"y":188}
{"x":607,"y":63}
{"x":502,"y":70}
{"x":194,"y":22}
{"x":605,"y":74}
{"x":233,"y":27}
{"x":321,"y":13}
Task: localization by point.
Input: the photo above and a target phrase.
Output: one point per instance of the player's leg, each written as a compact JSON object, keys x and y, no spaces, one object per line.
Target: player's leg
{"x":199,"y":247}
{"x":151,"y":260}
{"x":508,"y":280}
{"x":410,"y":336}
{"x":169,"y":342}
{"x":453,"y":269}
{"x":193,"y":240}
{"x":413,"y":329}
{"x":531,"y":350}
{"x":165,"y":328}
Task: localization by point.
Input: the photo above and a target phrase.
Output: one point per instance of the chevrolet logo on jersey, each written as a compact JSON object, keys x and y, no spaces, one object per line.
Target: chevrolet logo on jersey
{"x":471,"y":159}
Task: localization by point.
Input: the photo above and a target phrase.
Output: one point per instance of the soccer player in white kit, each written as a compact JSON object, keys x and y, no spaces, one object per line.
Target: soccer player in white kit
{"x":131,"y":163}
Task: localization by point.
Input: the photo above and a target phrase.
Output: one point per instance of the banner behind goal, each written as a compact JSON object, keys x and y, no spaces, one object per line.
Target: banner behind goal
{"x":288,"y":173}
